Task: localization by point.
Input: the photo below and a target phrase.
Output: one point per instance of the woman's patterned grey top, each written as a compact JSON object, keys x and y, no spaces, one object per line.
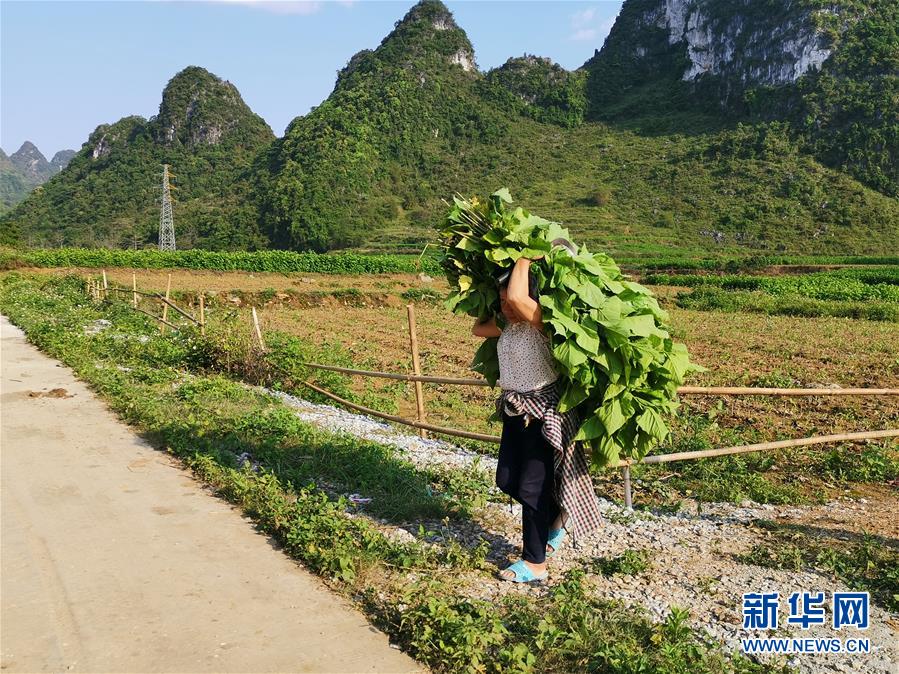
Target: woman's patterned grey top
{"x":525,"y":361}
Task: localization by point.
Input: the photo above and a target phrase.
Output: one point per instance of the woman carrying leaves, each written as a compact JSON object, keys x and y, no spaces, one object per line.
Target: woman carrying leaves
{"x":540,"y":465}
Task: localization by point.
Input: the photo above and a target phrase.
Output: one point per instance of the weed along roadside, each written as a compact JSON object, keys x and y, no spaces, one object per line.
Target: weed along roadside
{"x":424,"y":585}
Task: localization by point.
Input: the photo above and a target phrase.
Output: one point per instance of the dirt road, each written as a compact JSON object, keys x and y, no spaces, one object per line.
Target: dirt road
{"x":114,"y":559}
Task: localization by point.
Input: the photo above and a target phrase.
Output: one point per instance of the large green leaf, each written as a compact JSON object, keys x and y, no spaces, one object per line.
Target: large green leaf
{"x":651,"y":422}
{"x":591,"y":428}
{"x":641,"y":325}
{"x":503,"y":194}
{"x":570,"y":355}
{"x":574,"y":394}
{"x":611,"y":415}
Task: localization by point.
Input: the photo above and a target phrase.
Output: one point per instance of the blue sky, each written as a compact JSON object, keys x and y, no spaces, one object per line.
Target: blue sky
{"x":67,"y":66}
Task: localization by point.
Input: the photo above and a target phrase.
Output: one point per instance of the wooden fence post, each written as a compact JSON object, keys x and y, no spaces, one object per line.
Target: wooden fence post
{"x":105,"y":286}
{"x":258,"y":331}
{"x":165,"y":307}
{"x":626,"y":474}
{"x":134,"y":289}
{"x":202,"y":315}
{"x":416,"y":368}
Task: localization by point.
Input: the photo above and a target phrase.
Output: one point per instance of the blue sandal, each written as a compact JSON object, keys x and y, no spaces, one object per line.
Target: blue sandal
{"x":556,"y":537}
{"x":523,"y":573}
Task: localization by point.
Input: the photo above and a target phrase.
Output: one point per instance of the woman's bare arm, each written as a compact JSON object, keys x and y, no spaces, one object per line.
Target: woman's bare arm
{"x":488,"y":328}
{"x":518,"y":296}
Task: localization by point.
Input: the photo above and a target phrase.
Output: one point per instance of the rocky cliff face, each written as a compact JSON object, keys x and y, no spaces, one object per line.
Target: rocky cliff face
{"x":714,"y":48}
{"x":61,"y":159}
{"x":737,"y":41}
{"x":31,"y":163}
{"x":107,"y":137}
{"x":199,"y":108}
{"x":426,"y":40}
{"x":34,"y":165}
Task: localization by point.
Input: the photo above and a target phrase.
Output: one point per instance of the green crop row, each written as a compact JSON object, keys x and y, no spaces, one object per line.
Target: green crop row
{"x":869,"y":285}
{"x":716,"y":299}
{"x":282,"y":261}
{"x":759,"y":261}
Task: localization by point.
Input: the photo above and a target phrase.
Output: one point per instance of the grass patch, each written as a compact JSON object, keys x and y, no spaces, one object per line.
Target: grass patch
{"x":628,"y":563}
{"x":866,"y":562}
{"x":731,"y":478}
{"x":872,"y":463}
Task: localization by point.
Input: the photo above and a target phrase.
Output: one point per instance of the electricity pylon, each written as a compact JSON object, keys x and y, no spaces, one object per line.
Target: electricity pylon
{"x":166,"y":221}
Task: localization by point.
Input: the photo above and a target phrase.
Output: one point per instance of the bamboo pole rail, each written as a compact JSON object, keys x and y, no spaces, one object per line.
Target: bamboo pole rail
{"x":129,"y":291}
{"x":777,"y":444}
{"x":683,"y":390}
{"x":401,"y":420}
{"x":161,"y":299}
{"x":403,"y":377}
{"x":173,"y":327}
{"x":626,"y":463}
{"x":178,"y":309}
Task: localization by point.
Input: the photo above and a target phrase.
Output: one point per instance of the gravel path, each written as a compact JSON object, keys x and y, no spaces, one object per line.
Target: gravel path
{"x":693,"y":555}
{"x":419,"y":451}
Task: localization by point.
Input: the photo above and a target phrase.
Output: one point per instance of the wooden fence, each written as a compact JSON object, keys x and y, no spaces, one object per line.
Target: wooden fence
{"x":98,"y":290}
